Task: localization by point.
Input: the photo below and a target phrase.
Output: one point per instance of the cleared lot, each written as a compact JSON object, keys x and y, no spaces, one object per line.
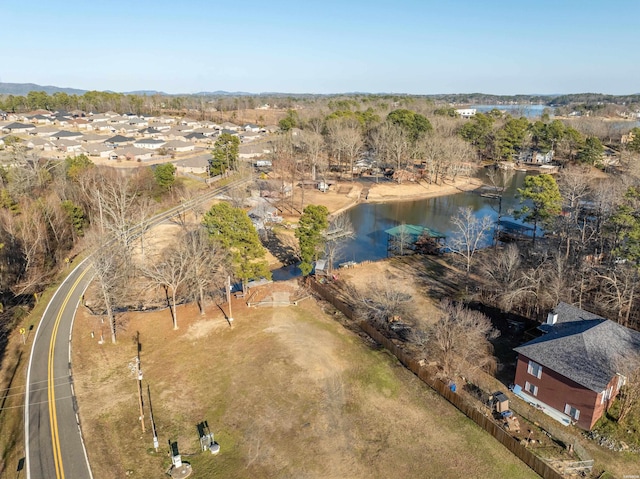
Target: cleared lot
{"x":287,"y":391}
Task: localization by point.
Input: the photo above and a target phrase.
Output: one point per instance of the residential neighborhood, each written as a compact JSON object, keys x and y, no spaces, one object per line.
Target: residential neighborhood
{"x":127,"y":138}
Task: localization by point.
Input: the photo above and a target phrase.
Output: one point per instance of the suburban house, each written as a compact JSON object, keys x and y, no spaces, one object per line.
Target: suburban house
{"x":253,"y":151}
{"x":179,"y":146}
{"x":251,"y":127}
{"x":197,"y":165}
{"x":100,"y":149}
{"x":572,"y":371}
{"x":118,"y":140}
{"x":18,"y":128}
{"x":532,"y":156}
{"x":132,"y":154}
{"x":264,"y":213}
{"x":39,"y":143}
{"x":149,"y":143}
{"x":466,"y":112}
{"x":229,"y":126}
{"x":66,"y":135}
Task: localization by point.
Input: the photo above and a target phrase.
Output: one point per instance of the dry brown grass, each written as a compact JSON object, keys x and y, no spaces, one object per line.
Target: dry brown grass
{"x":288,"y":393}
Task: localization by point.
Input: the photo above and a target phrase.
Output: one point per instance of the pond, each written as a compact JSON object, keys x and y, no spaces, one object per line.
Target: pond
{"x":370,"y":220}
{"x":526,"y":110}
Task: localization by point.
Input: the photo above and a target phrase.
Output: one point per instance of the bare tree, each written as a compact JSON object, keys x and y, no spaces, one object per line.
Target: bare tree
{"x":111,"y":275}
{"x":559,"y":281}
{"x":313,"y":145}
{"x":209,"y":263}
{"x":31,"y":233}
{"x":460,"y":340}
{"x":340,"y":230}
{"x":345,"y":137}
{"x":116,"y":199}
{"x":284,"y":162}
{"x":469,"y":233}
{"x":575,"y":188}
{"x":400,"y":242}
{"x":512,"y":285}
{"x":616,"y":290}
{"x":171,"y":269}
{"x":395,"y":146}
{"x":502,"y":267}
{"x":382,"y":304}
{"x":629,"y":396}
{"x":434,"y":153}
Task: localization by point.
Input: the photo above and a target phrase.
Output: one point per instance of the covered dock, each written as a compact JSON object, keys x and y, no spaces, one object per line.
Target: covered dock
{"x":508,"y":231}
{"x":408,"y":239}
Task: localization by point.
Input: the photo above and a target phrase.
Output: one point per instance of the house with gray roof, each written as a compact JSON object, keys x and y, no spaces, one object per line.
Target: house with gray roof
{"x":66,"y":135}
{"x":119,"y":140}
{"x":18,"y":128}
{"x":572,"y":371}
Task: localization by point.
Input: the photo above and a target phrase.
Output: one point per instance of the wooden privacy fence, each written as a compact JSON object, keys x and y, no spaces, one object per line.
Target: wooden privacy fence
{"x":487,"y":423}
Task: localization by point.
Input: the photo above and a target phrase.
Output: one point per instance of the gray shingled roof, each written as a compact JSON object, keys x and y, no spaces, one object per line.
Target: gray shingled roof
{"x":582,"y":346}
{"x":119,"y":139}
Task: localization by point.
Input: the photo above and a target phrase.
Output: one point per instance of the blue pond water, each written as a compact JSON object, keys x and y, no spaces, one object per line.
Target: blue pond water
{"x":370,"y":220}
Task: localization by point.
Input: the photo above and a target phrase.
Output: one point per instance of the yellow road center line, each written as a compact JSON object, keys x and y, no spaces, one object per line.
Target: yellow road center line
{"x":53,"y":419}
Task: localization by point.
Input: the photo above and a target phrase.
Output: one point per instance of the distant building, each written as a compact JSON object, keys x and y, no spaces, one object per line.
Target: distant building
{"x":466,"y":112}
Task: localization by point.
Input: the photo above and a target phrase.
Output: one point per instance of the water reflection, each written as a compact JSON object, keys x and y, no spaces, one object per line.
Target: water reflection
{"x":370,"y":220}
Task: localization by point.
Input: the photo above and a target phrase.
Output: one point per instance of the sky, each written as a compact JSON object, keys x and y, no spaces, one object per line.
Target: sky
{"x":309,"y":46}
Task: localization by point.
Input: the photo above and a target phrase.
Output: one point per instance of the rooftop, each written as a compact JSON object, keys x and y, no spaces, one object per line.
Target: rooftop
{"x":582,"y":346}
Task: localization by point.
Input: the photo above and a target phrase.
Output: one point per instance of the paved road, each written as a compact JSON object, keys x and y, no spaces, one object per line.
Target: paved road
{"x":54,"y":447}
{"x":53,"y":439}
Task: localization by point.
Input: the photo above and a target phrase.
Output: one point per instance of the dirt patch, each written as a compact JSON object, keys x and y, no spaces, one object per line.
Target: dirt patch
{"x":395,"y":273}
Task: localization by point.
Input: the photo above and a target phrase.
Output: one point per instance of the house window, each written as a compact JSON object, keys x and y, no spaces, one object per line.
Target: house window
{"x":569,"y":410}
{"x":534,"y":369}
{"x":531,"y":388}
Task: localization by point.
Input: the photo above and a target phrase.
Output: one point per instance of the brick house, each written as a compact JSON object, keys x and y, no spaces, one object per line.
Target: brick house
{"x":571,"y":370}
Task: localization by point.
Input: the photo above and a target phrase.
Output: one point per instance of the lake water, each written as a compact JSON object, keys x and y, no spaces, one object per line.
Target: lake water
{"x":370,"y":220}
{"x":528,"y":111}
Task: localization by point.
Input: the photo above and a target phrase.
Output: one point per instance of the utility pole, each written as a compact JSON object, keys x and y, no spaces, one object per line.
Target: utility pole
{"x":140,"y":396}
{"x":156,"y":444}
{"x":230,"y":318}
{"x":134,"y":366}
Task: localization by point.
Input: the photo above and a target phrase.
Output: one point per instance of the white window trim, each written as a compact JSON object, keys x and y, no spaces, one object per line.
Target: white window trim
{"x":528,"y":386}
{"x":567,"y":410}
{"x":533,"y":365}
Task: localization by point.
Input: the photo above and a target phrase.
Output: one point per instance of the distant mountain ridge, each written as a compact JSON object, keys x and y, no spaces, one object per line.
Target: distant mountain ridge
{"x":23,"y":89}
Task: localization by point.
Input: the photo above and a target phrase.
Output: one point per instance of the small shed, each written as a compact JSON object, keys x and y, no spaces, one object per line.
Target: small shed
{"x":320,"y":268}
{"x":500,"y":402}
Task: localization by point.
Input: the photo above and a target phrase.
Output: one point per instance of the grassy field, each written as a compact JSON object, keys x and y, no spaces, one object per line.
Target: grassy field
{"x":287,"y":391}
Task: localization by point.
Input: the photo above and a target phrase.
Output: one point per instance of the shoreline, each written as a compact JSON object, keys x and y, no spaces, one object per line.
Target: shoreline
{"x":395,"y":193}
